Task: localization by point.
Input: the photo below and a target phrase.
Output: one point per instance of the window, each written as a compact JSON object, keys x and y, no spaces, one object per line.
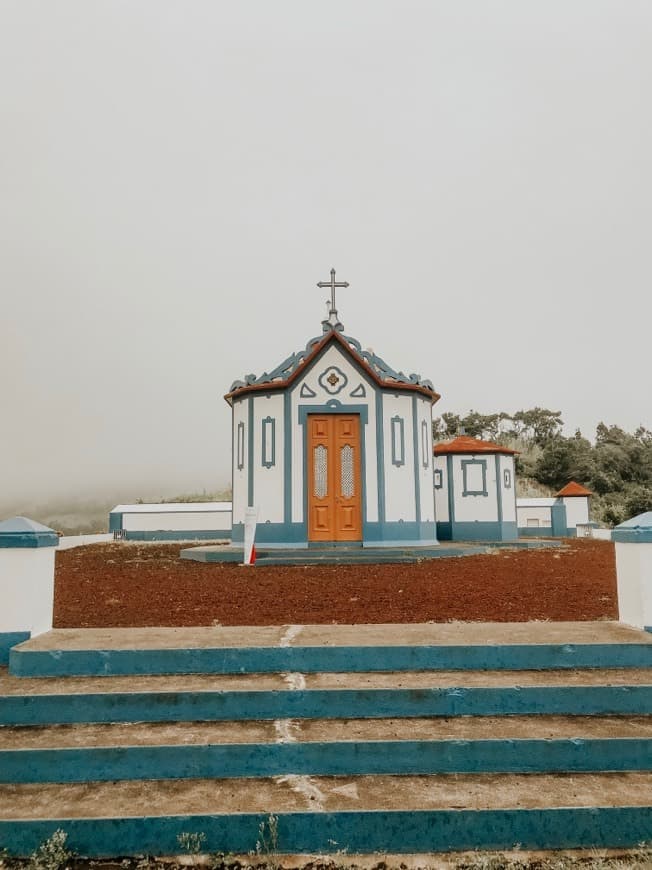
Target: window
{"x":240,"y":445}
{"x":398,"y":440}
{"x":426,"y":444}
{"x":269,"y":442}
{"x":474,"y":477}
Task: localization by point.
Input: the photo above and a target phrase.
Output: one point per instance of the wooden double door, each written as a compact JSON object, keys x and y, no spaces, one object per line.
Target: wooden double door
{"x":334,"y":479}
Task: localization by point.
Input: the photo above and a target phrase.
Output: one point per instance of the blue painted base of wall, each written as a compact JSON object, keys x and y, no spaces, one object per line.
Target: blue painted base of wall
{"x":327,"y":659}
{"x":390,"y":534}
{"x":8,"y":639}
{"x":354,"y":758}
{"x":480,"y":531}
{"x":197,"y":535}
{"x":353,"y":832}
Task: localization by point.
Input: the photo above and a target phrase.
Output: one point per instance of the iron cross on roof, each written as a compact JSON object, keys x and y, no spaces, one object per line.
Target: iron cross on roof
{"x":332,"y":322}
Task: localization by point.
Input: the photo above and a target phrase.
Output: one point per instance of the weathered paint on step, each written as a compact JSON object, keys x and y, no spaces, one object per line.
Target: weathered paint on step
{"x":326,"y":703}
{"x":359,"y":814}
{"x":333,"y":648}
{"x":325,"y":759}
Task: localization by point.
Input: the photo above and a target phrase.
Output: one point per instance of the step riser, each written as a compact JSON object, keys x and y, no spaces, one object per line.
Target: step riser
{"x":372,"y":831}
{"x":325,"y":704}
{"x":39,"y":663}
{"x":325,"y":759}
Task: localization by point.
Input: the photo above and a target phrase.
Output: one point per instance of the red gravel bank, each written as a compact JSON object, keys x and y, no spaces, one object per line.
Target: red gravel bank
{"x":128,"y":584}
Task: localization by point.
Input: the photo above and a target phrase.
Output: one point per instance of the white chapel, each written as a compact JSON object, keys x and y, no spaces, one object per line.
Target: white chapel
{"x":333,"y":446}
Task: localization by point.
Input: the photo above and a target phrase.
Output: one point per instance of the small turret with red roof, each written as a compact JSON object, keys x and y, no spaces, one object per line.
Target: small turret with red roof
{"x":575,"y":497}
{"x":573,"y":489}
{"x":475,"y":492}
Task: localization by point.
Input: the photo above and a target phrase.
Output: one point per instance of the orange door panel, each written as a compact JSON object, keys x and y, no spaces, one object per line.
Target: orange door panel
{"x":334,"y":479}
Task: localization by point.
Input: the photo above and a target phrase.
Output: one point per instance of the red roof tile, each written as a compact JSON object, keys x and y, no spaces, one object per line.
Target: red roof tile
{"x":573,"y":488}
{"x":466,"y":444}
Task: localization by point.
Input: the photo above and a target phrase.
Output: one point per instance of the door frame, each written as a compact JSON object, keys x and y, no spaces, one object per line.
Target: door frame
{"x":334,"y":407}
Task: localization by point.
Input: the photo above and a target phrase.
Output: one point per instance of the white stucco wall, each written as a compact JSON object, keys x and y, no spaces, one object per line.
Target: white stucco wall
{"x":508,"y":493}
{"x":441,"y":495}
{"x":424,"y":416}
{"x":534,"y":508}
{"x":577,"y":510}
{"x":399,"y":479}
{"x":177,"y":522}
{"x":239,"y":497}
{"x":69,"y":542}
{"x":634,"y":580}
{"x":268,"y":481}
{"x":26,"y":589}
{"x":473,"y":508}
{"x":542,"y":514}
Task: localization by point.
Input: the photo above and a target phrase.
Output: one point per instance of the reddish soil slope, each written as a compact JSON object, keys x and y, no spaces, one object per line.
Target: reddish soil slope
{"x":128,"y":584}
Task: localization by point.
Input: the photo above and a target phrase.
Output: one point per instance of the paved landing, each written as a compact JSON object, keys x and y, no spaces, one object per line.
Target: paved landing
{"x":411,"y":634}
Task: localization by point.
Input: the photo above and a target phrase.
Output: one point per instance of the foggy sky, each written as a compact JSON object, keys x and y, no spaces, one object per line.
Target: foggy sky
{"x":175,"y":177}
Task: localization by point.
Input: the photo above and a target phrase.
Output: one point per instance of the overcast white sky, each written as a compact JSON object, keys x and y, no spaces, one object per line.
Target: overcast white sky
{"x":175,"y":177}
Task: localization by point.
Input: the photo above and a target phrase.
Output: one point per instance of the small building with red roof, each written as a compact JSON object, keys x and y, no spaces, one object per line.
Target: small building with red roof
{"x":333,"y":446}
{"x":576,"y":500}
{"x":565,"y":514}
{"x":475,"y":493}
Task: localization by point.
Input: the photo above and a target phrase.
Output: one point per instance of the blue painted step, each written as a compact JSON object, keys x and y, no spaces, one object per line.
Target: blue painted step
{"x":324,"y":759}
{"x":28,"y":662}
{"x":346,"y":831}
{"x":180,"y":706}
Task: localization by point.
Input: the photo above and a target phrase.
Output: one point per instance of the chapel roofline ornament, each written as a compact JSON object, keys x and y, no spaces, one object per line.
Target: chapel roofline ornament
{"x":332,"y":321}
{"x":379,"y":371}
{"x":376,"y":367}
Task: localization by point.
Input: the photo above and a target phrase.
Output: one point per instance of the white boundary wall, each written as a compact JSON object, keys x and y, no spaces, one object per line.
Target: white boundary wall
{"x":26,"y":589}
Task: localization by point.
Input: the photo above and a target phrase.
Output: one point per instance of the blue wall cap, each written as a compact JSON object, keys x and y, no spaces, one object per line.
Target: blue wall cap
{"x":21,"y":532}
{"x":638,"y":530}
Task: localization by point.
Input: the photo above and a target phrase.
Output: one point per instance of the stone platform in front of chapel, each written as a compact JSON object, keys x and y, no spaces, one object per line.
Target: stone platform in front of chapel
{"x":355,"y":555}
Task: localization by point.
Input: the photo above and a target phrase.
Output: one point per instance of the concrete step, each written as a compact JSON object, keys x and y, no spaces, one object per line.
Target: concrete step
{"x":332,"y":648}
{"x":352,"y":555}
{"x":211,"y":697}
{"x":80,"y":753}
{"x":329,"y":814}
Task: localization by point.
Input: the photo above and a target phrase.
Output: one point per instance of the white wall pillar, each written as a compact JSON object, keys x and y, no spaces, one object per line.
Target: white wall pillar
{"x":633,"y":541}
{"x":26,"y":581}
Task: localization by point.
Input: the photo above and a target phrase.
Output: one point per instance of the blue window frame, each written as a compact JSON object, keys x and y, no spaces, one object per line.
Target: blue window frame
{"x":398,"y":440}
{"x":426,"y":446}
{"x":474,"y":477}
{"x":269,"y":442}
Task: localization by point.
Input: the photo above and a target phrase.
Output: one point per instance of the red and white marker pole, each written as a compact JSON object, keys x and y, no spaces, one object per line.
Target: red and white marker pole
{"x":251,"y":517}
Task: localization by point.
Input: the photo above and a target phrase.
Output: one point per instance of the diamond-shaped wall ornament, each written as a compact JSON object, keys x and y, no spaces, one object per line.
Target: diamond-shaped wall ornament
{"x":333,"y":380}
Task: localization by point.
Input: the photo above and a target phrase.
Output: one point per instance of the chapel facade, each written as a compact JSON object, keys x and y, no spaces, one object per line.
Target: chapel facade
{"x":334,"y":447}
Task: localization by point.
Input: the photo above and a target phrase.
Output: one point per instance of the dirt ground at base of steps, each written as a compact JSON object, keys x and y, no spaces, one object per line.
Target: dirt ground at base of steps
{"x":133,"y":584}
{"x":589,"y":859}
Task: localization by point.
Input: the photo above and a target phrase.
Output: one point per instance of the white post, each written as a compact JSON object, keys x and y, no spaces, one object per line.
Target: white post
{"x":633,"y":541}
{"x":26,"y":581}
{"x":251,"y":517}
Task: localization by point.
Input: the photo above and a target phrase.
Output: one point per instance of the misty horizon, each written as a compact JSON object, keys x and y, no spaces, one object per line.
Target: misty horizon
{"x":176,"y":179}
